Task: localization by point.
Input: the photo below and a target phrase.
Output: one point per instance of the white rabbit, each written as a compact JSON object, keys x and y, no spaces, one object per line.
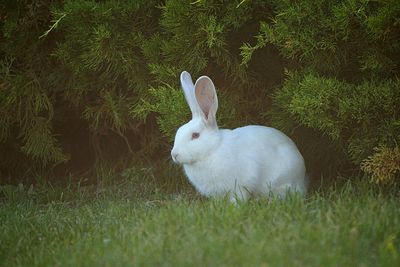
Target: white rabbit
{"x":254,"y":160}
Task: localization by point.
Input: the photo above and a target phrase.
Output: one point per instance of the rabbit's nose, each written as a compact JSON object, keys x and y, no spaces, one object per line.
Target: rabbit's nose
{"x":174,"y":156}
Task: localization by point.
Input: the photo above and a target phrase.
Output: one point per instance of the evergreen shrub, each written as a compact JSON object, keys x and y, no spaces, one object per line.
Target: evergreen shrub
{"x":343,"y":81}
{"x":96,"y":83}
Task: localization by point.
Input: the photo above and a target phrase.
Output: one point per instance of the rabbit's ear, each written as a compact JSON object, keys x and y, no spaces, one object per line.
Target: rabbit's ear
{"x":188,"y":91}
{"x":207,"y":100}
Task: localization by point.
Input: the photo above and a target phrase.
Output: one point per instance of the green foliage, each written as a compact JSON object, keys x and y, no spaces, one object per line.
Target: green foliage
{"x":112,"y":67}
{"x":26,"y":104}
{"x":201,"y":32}
{"x":88,"y":63}
{"x":170,"y":104}
{"x":346,"y":86}
{"x":350,"y":39}
{"x":40,"y":144}
{"x":383,"y":165}
{"x":358,"y":117}
{"x":99,"y":80}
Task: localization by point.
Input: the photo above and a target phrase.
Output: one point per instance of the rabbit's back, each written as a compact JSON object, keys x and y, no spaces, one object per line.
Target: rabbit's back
{"x":280,"y":164}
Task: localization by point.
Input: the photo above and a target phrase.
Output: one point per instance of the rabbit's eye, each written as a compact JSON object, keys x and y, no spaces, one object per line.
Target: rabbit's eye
{"x":195,"y":135}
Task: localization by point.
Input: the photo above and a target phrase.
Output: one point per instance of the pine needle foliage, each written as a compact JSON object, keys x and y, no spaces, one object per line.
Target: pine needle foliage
{"x":99,"y":80}
{"x":383,"y":165}
{"x":343,"y":82}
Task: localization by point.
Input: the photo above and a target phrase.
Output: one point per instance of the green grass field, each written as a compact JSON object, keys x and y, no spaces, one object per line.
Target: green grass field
{"x":116,"y":226}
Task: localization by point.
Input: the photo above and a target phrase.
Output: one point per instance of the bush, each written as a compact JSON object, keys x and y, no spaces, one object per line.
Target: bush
{"x":86,"y":82}
{"x":355,"y":118}
{"x":92,"y":82}
{"x":343,"y":80}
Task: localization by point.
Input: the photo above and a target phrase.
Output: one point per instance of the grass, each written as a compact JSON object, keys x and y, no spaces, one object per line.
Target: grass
{"x":117,"y":226}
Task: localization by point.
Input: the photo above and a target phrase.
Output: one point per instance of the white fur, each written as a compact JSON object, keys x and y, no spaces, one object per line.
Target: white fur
{"x":248,"y":160}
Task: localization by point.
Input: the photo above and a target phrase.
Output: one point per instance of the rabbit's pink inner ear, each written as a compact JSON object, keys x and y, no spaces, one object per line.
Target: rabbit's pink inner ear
{"x":205,"y":95}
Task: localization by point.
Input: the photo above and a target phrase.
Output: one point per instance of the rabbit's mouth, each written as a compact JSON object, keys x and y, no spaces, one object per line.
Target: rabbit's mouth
{"x":176,"y":158}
